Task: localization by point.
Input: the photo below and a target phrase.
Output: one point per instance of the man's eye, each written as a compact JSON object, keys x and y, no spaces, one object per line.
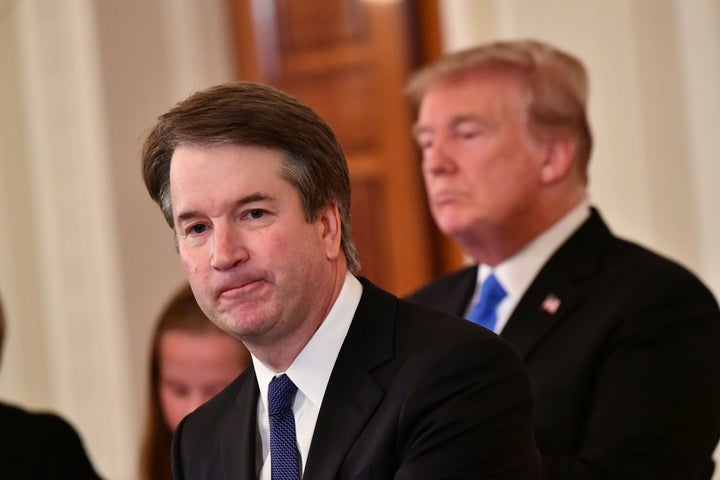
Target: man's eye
{"x":256,"y":213}
{"x":425,"y":145}
{"x":469,"y":134}
{"x":200,"y":228}
{"x":424,"y":142}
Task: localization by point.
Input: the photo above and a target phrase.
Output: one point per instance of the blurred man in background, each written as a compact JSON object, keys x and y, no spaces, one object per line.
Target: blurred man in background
{"x":622,"y":345}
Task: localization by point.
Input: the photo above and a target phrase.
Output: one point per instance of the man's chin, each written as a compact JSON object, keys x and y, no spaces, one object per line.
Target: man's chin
{"x":249,"y":321}
{"x":452,"y":228}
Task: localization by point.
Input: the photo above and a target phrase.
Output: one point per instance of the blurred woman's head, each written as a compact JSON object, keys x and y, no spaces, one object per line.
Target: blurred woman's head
{"x":191,"y":360}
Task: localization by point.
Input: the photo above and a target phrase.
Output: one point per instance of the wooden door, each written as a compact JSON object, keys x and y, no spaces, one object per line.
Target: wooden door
{"x":349,"y":60}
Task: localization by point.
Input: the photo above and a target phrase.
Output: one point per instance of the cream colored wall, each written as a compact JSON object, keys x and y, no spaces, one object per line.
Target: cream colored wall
{"x":60,"y":270}
{"x":86,"y":259}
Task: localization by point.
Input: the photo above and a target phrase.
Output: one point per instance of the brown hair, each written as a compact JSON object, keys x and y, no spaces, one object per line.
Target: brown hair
{"x":181,"y":313}
{"x":556,"y":81}
{"x":247,"y":113}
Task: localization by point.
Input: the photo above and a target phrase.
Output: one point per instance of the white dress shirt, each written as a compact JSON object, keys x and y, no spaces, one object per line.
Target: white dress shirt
{"x":516,"y":273}
{"x":310,"y":372}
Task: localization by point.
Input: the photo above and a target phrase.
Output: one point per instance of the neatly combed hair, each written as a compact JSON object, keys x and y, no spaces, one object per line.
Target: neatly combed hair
{"x":556,"y":81}
{"x":248,"y":113}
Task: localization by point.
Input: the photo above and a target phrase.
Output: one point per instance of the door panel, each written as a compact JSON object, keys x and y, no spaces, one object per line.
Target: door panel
{"x":349,"y":60}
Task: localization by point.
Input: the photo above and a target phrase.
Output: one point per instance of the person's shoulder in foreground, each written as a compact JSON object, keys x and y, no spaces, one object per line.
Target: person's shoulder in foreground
{"x":40,"y":446}
{"x":415,"y":393}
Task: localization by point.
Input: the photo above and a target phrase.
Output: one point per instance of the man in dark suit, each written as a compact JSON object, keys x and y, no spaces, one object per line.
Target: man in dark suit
{"x":347,"y":381}
{"x":622,"y":345}
{"x":39,"y":446}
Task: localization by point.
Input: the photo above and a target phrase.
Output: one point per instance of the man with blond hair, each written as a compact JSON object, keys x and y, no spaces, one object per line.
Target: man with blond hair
{"x":622,"y":345}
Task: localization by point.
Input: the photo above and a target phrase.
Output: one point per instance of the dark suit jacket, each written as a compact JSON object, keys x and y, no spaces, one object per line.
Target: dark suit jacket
{"x":413,"y":394}
{"x":625,"y":372}
{"x":40,"y":446}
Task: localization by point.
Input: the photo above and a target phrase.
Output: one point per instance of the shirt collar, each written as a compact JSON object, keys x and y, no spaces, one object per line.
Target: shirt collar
{"x":311,"y":369}
{"x":516,"y":273}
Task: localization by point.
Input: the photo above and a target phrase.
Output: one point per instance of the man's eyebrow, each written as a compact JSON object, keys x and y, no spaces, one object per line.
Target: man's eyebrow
{"x":253,"y":197}
{"x":465,"y":118}
{"x":453,"y":123}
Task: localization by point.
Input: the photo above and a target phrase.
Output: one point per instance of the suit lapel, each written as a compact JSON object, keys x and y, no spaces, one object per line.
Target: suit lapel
{"x":238,"y":464}
{"x":353,"y":394}
{"x":458,"y":291}
{"x":557,"y":287}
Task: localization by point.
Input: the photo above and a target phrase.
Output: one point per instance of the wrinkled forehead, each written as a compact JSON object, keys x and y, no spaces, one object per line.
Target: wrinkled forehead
{"x":479,"y":92}
{"x":506,"y":80}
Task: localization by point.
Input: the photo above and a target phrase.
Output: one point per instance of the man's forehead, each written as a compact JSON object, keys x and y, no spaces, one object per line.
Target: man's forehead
{"x":226,"y":155}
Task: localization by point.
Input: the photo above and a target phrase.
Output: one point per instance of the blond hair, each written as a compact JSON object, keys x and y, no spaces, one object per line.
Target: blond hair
{"x":556,"y":81}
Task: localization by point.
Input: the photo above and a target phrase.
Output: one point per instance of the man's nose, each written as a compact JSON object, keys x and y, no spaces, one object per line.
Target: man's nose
{"x":229,"y":248}
{"x":437,"y":158}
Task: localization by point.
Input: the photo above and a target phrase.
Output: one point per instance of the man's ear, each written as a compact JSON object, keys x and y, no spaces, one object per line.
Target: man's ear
{"x":559,"y":160}
{"x":330,"y":229}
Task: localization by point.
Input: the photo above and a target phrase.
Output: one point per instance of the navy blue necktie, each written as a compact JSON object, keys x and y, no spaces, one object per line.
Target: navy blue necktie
{"x":491,"y":294}
{"x":284,"y":461}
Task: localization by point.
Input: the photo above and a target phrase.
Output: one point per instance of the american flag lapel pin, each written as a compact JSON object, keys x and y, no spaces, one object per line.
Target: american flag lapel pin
{"x":551,"y":304}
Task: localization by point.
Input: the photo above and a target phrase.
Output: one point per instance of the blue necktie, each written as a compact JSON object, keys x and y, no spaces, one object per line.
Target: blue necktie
{"x":284,"y":462}
{"x":491,"y":294}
